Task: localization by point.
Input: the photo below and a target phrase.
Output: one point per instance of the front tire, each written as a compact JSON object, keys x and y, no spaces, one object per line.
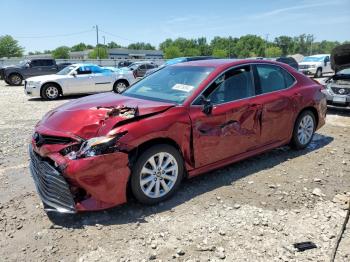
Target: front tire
{"x":304,"y":130}
{"x":318,"y":73}
{"x":50,"y":92}
{"x":15,"y":79}
{"x":157,"y":174}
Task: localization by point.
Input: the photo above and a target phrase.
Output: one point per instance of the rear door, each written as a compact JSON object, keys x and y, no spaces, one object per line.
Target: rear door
{"x":103,"y":79}
{"x":274,"y":93}
{"x":232,"y":127}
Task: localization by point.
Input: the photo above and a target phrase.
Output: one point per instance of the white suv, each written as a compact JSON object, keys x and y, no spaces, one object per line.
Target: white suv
{"x":316,"y":65}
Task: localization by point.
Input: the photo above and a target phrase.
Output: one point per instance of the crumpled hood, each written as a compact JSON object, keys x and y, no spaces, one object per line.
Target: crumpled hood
{"x":96,"y":115}
{"x":340,"y":57}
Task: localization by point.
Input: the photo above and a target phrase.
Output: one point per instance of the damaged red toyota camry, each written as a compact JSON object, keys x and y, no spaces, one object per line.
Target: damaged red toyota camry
{"x":181,"y":121}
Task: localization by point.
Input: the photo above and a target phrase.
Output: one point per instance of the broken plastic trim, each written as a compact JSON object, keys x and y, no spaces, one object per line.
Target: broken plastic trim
{"x":123,"y":111}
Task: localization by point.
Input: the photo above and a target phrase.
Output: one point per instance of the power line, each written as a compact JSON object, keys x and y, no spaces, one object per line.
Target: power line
{"x":118,"y":36}
{"x":58,"y":35}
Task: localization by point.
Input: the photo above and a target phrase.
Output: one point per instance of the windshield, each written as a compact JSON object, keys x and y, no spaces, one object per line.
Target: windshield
{"x":344,"y":72}
{"x":66,"y":70}
{"x":171,"y":84}
{"x":313,"y":59}
{"x":23,"y":62}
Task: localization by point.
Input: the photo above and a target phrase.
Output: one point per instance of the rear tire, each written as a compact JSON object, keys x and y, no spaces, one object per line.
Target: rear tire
{"x":120,"y":86}
{"x":318,"y":73}
{"x":15,"y":79}
{"x":304,"y":130}
{"x":156,"y":174}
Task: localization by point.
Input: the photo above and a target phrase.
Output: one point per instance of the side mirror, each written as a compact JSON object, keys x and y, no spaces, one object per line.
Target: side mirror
{"x":207,"y":105}
{"x":74,"y":73}
{"x":27,"y":65}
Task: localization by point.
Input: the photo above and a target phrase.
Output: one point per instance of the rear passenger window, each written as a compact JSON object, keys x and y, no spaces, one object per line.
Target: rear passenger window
{"x":273,"y":78}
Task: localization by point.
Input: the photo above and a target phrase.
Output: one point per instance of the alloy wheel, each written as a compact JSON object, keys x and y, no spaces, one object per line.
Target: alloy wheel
{"x":306,"y":129}
{"x":121,"y":87}
{"x":159,"y":175}
{"x":51,"y":92}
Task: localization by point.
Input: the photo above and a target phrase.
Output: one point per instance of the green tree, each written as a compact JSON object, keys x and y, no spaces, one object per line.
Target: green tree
{"x":78,"y":47}
{"x":220,"y":53}
{"x":99,"y":53}
{"x":113,"y":45}
{"x":250,"y":46}
{"x":273,"y":51}
{"x":286,"y":44}
{"x":61,"y":52}
{"x":191,"y":52}
{"x":172,"y":52}
{"x":141,"y":45}
{"x":9,"y":47}
{"x":225,"y":43}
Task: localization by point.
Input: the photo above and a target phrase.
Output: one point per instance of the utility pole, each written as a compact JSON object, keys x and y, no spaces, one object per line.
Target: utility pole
{"x":104,"y":40}
{"x":98,"y":48}
{"x":266,"y":40}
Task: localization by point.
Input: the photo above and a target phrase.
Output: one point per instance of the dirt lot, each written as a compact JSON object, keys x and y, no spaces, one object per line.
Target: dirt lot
{"x":254,"y":210}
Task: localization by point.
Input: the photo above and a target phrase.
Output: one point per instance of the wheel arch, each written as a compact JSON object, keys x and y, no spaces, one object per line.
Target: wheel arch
{"x":52,"y":83}
{"x":122,"y":80}
{"x":313,"y":110}
{"x":134,"y":153}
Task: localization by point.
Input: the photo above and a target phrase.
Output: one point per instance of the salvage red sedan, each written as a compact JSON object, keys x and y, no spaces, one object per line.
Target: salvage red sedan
{"x":181,"y":121}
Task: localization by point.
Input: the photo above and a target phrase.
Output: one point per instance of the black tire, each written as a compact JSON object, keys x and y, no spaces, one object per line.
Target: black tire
{"x":139,"y":164}
{"x":50,"y":91}
{"x":15,"y":79}
{"x":120,"y":85}
{"x":296,"y":141}
{"x":318,"y":73}
{"x":7,"y":82}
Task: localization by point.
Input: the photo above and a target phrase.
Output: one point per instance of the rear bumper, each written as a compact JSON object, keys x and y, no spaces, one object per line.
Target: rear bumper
{"x":50,"y":185}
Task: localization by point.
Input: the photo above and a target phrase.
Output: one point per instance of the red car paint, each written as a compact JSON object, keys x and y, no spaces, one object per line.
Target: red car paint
{"x":233,"y":131}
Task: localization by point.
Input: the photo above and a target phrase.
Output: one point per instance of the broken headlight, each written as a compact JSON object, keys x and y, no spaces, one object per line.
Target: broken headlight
{"x":96,"y":146}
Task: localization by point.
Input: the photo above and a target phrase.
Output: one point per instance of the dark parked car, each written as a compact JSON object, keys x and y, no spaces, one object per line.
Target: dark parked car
{"x":338,"y":85}
{"x":179,"y":122}
{"x":286,"y":60}
{"x":14,"y":75}
{"x":124,"y":64}
{"x":140,"y":68}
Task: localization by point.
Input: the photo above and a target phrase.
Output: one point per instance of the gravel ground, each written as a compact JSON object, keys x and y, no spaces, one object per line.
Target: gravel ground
{"x":254,"y":210}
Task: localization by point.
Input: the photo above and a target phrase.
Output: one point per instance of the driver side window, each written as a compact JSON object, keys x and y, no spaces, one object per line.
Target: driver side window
{"x":235,"y":84}
{"x":84,"y":70}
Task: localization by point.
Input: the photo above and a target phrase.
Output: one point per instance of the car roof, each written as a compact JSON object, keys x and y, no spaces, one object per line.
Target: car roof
{"x":223,"y":63}
{"x":82,"y":64}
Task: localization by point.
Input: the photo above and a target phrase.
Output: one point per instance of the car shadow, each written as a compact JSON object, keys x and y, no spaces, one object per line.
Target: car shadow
{"x":134,"y":212}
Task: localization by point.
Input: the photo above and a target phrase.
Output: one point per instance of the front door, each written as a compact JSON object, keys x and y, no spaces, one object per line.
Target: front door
{"x":82,"y":82}
{"x":232,"y":127}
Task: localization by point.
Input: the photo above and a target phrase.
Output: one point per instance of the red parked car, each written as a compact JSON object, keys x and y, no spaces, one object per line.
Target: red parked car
{"x":179,"y":122}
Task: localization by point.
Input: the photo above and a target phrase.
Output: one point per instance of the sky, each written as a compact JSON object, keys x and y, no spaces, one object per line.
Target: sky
{"x":40,"y":24}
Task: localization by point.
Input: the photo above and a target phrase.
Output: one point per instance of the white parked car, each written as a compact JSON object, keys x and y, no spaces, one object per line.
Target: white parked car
{"x":78,"y":79}
{"x":316,"y":65}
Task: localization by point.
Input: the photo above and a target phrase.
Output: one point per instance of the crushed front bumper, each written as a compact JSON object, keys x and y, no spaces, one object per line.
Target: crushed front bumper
{"x":50,"y":185}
